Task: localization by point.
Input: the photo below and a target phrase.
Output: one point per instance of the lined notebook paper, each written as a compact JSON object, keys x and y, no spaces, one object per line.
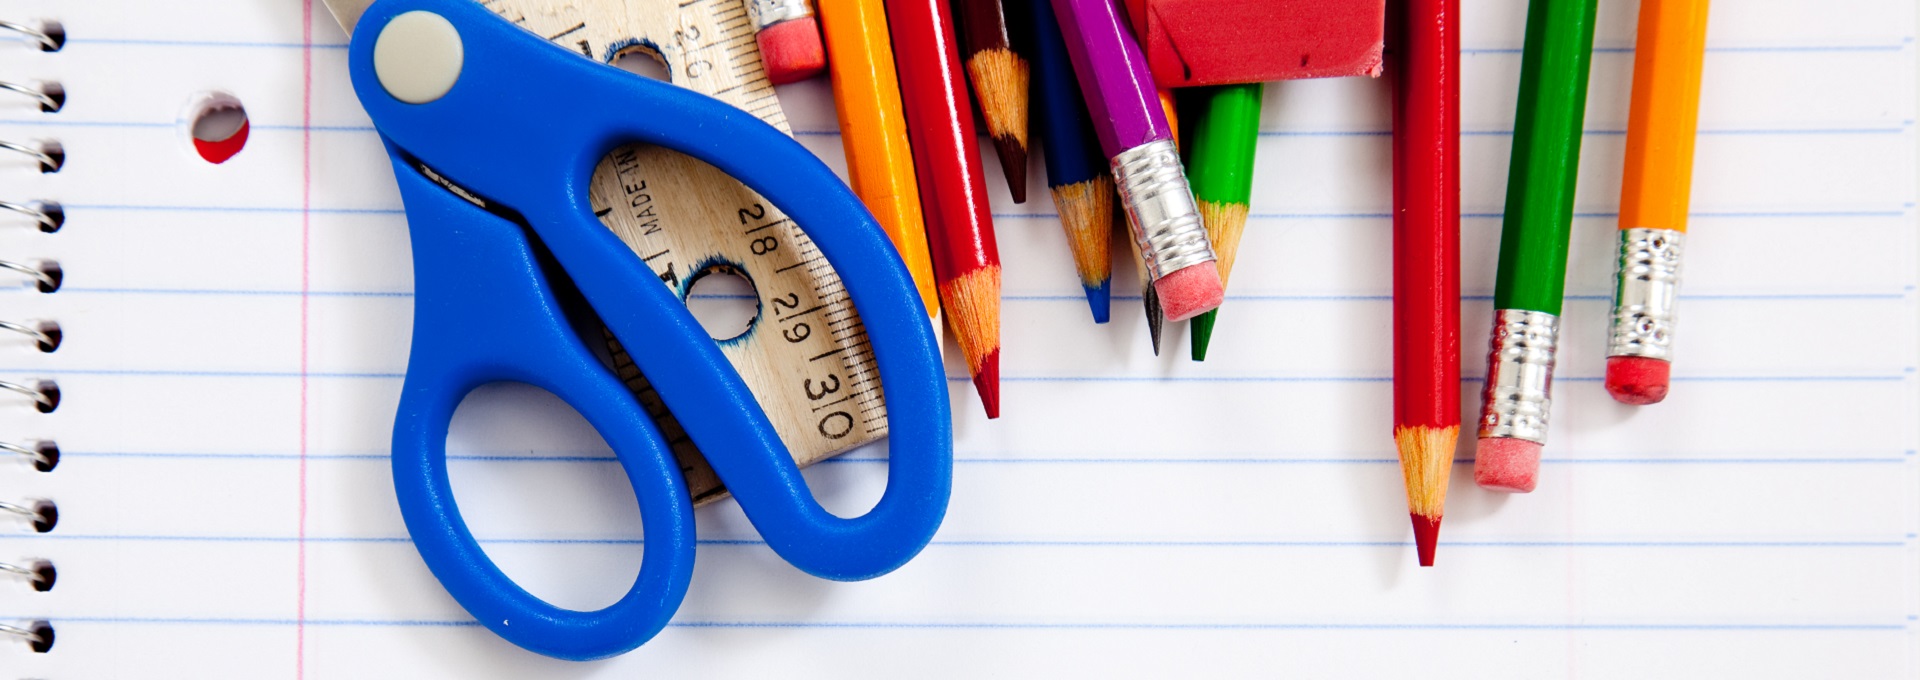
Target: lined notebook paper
{"x":236,"y":335}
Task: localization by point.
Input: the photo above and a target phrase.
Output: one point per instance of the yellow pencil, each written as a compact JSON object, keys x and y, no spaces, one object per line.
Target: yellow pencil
{"x":1661,"y":124}
{"x":873,"y":128}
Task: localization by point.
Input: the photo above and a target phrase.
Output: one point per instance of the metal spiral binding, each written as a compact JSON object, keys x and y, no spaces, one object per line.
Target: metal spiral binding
{"x":50,"y":155}
{"x":46,"y":275}
{"x":50,"y":94}
{"x":49,"y":34}
{"x":48,"y":213}
{"x":44,"y":514}
{"x":44,"y":455}
{"x":45,"y":393}
{"x":39,"y":635}
{"x":46,"y":335}
{"x":40,"y":574}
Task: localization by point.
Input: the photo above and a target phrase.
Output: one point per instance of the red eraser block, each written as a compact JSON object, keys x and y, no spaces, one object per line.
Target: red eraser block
{"x":1638,"y":380}
{"x":792,"y":50}
{"x":1216,"y":42}
{"x":1190,"y":292}
{"x":1507,"y":464}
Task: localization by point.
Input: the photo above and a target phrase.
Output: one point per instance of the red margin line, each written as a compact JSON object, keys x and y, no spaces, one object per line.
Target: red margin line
{"x":306,"y":223}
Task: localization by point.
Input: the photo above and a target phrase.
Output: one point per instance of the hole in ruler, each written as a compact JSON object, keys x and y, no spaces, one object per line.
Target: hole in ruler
{"x":724,"y":301}
{"x":643,"y":60}
{"x":217,"y":124}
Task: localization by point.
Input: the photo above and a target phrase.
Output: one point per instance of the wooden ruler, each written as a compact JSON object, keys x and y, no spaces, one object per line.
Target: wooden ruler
{"x":805,"y":356}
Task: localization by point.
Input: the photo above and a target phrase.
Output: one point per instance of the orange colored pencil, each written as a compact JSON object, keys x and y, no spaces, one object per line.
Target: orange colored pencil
{"x":1661,"y":123}
{"x":873,"y":129}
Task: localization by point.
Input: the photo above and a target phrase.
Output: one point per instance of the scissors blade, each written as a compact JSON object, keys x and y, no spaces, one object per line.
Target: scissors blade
{"x":347,"y":12}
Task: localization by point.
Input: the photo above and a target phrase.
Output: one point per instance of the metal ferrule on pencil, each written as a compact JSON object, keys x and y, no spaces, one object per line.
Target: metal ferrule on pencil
{"x":1519,"y":375}
{"x":769,"y":12}
{"x":1160,"y":207}
{"x":1646,"y":293}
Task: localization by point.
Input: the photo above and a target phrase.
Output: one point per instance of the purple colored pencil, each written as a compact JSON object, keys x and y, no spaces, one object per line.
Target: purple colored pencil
{"x":1134,"y":135}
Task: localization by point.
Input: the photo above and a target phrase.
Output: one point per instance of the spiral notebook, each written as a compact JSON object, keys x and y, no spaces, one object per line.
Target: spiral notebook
{"x":233,"y":338}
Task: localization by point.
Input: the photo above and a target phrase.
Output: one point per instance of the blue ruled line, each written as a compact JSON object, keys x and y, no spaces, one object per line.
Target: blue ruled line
{"x":608,"y":458}
{"x":233,"y":209}
{"x":1010,"y":543}
{"x":1364,"y":216}
{"x":153,"y":42}
{"x":376,"y":375}
{"x":1496,"y":132}
{"x":1385,"y":216}
{"x":1015,"y":626}
{"x":1076,"y":298}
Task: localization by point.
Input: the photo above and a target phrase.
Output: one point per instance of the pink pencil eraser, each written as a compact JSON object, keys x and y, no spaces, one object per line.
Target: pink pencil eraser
{"x":1638,"y":380}
{"x":792,"y":50}
{"x":1190,"y":292}
{"x":1216,"y":42}
{"x":1507,"y":464}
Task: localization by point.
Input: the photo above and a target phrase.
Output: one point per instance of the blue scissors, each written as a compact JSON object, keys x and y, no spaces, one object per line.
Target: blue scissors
{"x":493,"y":142}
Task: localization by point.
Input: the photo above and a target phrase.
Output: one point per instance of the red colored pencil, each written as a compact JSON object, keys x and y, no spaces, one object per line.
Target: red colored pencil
{"x":953,"y":192}
{"x":1425,"y":35}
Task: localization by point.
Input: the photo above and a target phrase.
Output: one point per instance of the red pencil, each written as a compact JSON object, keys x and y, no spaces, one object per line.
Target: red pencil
{"x":953,"y":192}
{"x":1425,"y":37}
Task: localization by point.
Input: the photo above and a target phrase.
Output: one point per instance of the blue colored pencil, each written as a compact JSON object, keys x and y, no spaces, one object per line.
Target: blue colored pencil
{"x":1077,"y":171}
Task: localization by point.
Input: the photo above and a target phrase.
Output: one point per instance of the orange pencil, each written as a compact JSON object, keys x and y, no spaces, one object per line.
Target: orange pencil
{"x":1661,"y":124}
{"x":873,"y":128}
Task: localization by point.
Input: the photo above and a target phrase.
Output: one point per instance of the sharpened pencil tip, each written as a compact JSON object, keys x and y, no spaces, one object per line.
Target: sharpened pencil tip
{"x":1154,"y":319}
{"x":987,"y":383}
{"x":1100,"y":300}
{"x":1013,"y":160}
{"x":1203,"y":333}
{"x":1426,"y":536}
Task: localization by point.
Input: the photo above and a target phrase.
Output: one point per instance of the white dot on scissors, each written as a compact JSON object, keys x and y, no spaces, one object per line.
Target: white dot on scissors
{"x":418,"y":57}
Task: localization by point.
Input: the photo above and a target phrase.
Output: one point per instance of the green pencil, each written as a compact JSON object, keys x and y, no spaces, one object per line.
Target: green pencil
{"x":1533,"y":243}
{"x":1226,"y":128}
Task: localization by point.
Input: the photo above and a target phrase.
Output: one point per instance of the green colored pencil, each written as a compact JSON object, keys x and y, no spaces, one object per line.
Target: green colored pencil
{"x":1532,"y":277}
{"x":1546,"y":156}
{"x":1226,"y":128}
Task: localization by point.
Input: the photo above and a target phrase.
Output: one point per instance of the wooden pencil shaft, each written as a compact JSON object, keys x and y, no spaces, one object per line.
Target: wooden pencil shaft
{"x":873,"y":129}
{"x":1426,"y":214}
{"x":1546,"y":155}
{"x":1665,"y":113}
{"x":1225,"y":134}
